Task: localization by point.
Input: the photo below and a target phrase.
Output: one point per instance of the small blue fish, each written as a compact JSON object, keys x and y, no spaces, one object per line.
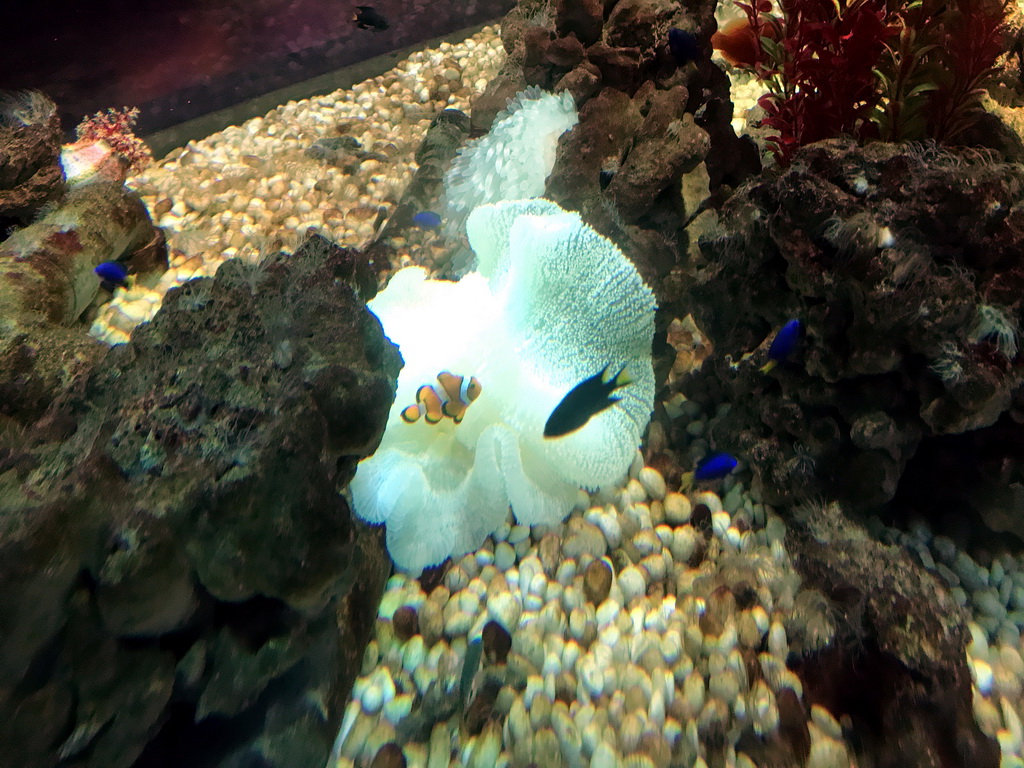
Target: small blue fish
{"x":427,"y":220}
{"x":714,"y":466}
{"x":113,"y":272}
{"x":684,"y":46}
{"x":783,"y":344}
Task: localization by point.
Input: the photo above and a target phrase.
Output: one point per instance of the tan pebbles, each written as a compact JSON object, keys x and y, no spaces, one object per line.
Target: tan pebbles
{"x":620,"y":653}
{"x":252,"y":189}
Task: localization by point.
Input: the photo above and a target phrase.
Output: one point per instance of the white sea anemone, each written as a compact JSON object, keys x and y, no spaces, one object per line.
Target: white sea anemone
{"x":551,"y":303}
{"x":513,"y":160}
{"x":996,"y":325}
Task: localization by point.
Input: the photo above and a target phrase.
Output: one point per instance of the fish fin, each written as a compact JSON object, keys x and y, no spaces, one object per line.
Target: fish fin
{"x":454,"y":410}
{"x":622,"y":378}
{"x":769,"y":366}
{"x":411,"y":414}
{"x":686,"y":482}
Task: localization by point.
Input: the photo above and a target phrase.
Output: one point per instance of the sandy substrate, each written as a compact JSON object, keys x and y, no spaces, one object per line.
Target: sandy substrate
{"x":253,"y":189}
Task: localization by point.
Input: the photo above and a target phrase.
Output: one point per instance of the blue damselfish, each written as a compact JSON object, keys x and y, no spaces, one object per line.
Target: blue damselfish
{"x":785,"y":341}
{"x":427,"y":220}
{"x":683,"y":45}
{"x":715,"y":466}
{"x":112,"y":272}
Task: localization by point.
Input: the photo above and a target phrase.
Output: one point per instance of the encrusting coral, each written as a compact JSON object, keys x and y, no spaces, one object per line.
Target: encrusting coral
{"x":551,"y":303}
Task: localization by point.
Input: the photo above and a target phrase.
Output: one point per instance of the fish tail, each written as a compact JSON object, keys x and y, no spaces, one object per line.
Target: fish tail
{"x":622,"y":378}
{"x":686,"y":482}
{"x":411,"y":413}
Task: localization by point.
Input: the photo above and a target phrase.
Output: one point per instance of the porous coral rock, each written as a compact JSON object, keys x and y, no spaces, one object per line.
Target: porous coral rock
{"x":897,"y":628}
{"x":628,"y":73}
{"x":175,"y":524}
{"x":47,"y":282}
{"x":551,"y":303}
{"x":30,"y":171}
{"x":891,"y":327}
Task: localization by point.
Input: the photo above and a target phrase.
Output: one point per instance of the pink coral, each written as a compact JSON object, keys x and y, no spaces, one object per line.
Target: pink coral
{"x":115,"y":127}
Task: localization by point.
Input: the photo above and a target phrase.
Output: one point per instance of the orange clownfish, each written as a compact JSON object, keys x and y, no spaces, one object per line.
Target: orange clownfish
{"x":451,"y":399}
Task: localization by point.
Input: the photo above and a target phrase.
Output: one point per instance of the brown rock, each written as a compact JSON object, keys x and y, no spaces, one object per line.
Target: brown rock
{"x":657,"y":163}
{"x":898,"y":656}
{"x":536,"y":41}
{"x":597,"y":581}
{"x":47,"y":282}
{"x":582,"y":82}
{"x":582,"y":18}
{"x":406,"y":622}
{"x":198,"y":484}
{"x":565,"y":52}
{"x":619,"y":66}
{"x":30,"y":170}
{"x":633,"y":23}
{"x":607,"y":124}
{"x":494,"y":99}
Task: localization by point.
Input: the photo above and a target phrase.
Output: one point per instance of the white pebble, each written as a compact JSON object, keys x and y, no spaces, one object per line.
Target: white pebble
{"x":710,"y":500}
{"x":652,"y":482}
{"x":396,"y":710}
{"x":720,"y":522}
{"x":504,"y":556}
{"x":566,"y":572}
{"x":778,"y":645}
{"x":632,"y":583}
{"x":609,"y":525}
{"x":379,"y":691}
{"x":677,"y":509}
{"x":505,"y":609}
{"x":518,"y":533}
{"x":693,"y":694}
{"x":607,"y":612}
{"x":413,"y":654}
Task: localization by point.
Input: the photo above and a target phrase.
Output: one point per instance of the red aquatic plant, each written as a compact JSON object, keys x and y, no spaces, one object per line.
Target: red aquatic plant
{"x":886,"y":69}
{"x":818,"y":59}
{"x":116,"y":128}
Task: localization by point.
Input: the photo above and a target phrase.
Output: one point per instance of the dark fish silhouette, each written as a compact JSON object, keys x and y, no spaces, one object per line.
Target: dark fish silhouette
{"x":585,"y":400}
{"x":683,"y":45}
{"x":366,"y":17}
